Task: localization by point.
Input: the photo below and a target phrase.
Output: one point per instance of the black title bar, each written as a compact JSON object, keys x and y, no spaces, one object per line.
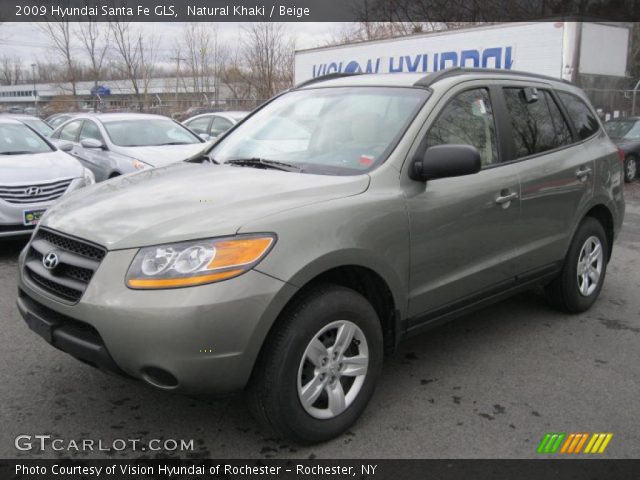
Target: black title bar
{"x":318,"y":10}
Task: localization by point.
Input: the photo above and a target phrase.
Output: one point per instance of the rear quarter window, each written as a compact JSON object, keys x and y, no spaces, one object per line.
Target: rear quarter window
{"x":583,"y":118}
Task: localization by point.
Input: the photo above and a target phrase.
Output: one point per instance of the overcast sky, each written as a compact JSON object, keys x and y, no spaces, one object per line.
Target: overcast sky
{"x":26,"y":41}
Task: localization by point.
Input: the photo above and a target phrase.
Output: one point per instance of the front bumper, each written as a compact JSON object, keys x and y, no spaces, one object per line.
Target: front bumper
{"x":197,"y":340}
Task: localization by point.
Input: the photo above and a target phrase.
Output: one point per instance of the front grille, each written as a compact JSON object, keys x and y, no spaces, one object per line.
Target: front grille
{"x":77,"y":262}
{"x":34,"y":193}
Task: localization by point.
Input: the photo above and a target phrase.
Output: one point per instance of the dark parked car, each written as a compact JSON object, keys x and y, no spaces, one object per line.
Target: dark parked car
{"x":625,"y":132}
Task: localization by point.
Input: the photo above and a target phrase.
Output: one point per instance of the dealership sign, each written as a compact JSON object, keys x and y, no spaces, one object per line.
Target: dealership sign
{"x":536,"y":47}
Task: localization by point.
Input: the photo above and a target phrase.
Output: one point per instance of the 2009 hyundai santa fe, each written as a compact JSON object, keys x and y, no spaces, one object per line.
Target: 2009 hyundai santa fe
{"x":335,"y":221}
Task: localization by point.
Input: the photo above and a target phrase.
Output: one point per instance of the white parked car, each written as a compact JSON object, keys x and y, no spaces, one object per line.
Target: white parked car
{"x":112,"y":144}
{"x":33,"y":175}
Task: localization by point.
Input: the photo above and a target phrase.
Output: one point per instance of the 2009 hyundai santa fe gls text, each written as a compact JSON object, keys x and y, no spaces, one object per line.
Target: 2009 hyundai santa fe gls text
{"x":338,"y":219}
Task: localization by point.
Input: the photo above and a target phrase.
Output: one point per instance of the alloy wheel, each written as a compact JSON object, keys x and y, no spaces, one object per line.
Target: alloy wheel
{"x":333,"y":369}
{"x":590,"y":262}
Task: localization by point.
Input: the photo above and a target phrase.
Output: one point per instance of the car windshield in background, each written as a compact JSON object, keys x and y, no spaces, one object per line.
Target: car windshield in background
{"x":332,"y":131}
{"x":148,"y":132}
{"x":39,"y":126}
{"x":623,"y":129}
{"x":18,"y":139}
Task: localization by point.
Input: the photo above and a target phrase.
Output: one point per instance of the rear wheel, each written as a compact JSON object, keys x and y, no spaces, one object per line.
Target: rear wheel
{"x":583,"y":273}
{"x":630,"y":168}
{"x":319,"y":366}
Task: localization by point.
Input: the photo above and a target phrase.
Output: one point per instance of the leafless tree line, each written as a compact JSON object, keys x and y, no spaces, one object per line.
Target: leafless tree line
{"x":258,"y":65}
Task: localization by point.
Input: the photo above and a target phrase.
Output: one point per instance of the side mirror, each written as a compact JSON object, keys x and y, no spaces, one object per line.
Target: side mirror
{"x":91,"y":143}
{"x":442,"y":161}
{"x":63,"y":145}
{"x":205,"y":137}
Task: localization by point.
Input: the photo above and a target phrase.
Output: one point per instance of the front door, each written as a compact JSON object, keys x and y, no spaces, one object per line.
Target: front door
{"x":461,"y":227}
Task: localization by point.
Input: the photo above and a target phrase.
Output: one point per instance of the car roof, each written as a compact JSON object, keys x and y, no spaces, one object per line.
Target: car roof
{"x":19,"y":117}
{"x":420,"y":80}
{"x":113,"y":117}
{"x":9,"y":120}
{"x":234,"y":115}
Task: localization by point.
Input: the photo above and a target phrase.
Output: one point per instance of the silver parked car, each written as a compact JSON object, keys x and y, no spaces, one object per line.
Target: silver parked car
{"x":214,"y":124}
{"x":113,"y":144}
{"x":39,"y":125}
{"x":33,"y":175}
{"x":341,"y":218}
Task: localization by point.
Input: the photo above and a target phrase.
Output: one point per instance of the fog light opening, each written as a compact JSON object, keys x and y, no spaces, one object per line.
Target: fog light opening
{"x":159,"y":378}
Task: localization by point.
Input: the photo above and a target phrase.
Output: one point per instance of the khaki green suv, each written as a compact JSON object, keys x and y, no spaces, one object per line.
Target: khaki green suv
{"x":340,"y":218}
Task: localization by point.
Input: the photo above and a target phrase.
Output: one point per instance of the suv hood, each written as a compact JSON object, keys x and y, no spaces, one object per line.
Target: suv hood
{"x":186,"y":201}
{"x":38,"y":168}
{"x":165,"y":154}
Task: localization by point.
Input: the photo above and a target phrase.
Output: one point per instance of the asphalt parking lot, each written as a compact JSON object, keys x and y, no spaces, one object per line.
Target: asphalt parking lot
{"x":488,"y":385}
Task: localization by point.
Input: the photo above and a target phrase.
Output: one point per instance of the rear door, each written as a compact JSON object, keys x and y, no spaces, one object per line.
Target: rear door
{"x":555,"y":172}
{"x":461,"y":228}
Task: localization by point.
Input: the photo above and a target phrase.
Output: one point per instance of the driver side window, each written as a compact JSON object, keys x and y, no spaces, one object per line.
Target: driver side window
{"x":467,"y":119}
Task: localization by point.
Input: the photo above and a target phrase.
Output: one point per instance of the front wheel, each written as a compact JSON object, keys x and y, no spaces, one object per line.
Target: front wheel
{"x":585,"y":266}
{"x":319,"y":366}
{"x":630,"y":168}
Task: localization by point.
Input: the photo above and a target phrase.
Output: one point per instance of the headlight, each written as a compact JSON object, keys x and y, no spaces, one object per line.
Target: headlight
{"x":138,"y":165}
{"x":89,"y":177}
{"x":197,"y":262}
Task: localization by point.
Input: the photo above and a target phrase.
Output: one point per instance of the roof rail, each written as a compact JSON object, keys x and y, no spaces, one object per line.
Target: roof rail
{"x":434,"y":77}
{"x":322,"y":78}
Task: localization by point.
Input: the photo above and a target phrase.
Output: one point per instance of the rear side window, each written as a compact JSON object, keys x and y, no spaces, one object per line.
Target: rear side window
{"x":582,"y":117}
{"x":537,"y":123}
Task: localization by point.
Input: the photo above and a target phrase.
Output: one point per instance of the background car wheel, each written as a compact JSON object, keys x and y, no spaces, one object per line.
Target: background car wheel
{"x":583,"y":273}
{"x":630,"y":168}
{"x":319,"y":365}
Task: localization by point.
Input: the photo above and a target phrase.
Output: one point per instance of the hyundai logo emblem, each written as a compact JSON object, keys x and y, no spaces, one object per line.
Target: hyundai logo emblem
{"x":32,"y":191}
{"x":50,"y":260}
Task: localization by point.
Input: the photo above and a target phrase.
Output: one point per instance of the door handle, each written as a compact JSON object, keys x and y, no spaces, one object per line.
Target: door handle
{"x":582,"y":173}
{"x":505,"y":199}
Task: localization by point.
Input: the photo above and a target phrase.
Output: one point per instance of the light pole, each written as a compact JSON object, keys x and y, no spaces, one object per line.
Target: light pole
{"x":35,"y":92}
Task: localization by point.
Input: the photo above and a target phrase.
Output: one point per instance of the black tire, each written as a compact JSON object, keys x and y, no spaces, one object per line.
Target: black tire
{"x":273,"y":388}
{"x":564,"y":292}
{"x":630,"y":168}
{"x":114,"y":175}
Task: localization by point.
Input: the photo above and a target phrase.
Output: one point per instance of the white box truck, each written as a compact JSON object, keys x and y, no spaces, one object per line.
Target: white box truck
{"x":556,"y":49}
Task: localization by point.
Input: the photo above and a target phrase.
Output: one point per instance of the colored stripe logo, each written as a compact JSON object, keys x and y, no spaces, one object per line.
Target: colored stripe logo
{"x":573,"y":443}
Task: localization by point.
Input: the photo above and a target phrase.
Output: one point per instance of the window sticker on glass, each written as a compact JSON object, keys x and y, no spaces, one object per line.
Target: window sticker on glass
{"x":479,"y":109}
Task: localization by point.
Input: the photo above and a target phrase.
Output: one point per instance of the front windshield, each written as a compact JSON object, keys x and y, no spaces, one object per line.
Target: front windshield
{"x":148,"y":132}
{"x":335,"y":131}
{"x":18,"y":139}
{"x":623,"y":129}
{"x":39,"y":126}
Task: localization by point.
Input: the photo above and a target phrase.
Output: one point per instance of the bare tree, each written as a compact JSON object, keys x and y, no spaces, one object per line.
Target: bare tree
{"x":148,"y":52}
{"x":11,"y":70}
{"x":268,"y":54}
{"x":128,"y":48}
{"x":94,"y":37}
{"x":231,"y":74}
{"x":197,"y":44}
{"x":60,"y":35}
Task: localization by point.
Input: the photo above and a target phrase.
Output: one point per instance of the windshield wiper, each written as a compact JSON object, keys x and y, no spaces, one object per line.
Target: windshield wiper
{"x":16,"y":152}
{"x":172,"y":143}
{"x":264,"y":163}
